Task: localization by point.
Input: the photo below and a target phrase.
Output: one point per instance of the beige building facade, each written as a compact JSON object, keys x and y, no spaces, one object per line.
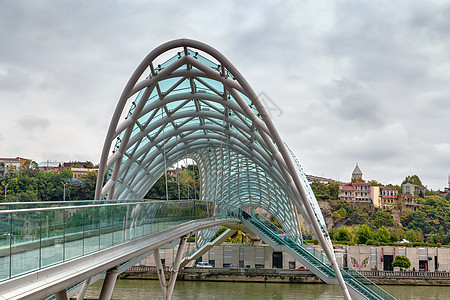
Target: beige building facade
{"x":359,"y":257}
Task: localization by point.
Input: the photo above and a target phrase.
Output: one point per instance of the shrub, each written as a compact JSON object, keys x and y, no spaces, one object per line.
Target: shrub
{"x":401,"y":261}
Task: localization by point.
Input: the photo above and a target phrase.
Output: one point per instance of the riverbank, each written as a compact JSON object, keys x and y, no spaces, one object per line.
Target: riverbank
{"x":288,"y":276}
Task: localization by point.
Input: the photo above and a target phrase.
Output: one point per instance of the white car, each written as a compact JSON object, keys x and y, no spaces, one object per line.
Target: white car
{"x":203,"y":264}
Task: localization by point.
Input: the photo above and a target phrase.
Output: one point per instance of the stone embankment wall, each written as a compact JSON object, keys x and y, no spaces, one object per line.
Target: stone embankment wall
{"x":287,"y":276}
{"x":227,"y":274}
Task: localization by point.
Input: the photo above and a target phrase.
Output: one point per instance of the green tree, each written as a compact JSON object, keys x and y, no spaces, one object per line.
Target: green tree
{"x":88,"y":164}
{"x":28,"y":196}
{"x":382,"y":218}
{"x":420,"y":237}
{"x":86,"y":189}
{"x":343,"y":235}
{"x":364,"y":234}
{"x":383,"y":235}
{"x":397,"y":235}
{"x":324,"y":191}
{"x":186,"y":185}
{"x":411,"y":235}
{"x":340,"y":214}
{"x":374,"y":183}
{"x":401,"y":261}
{"x":414,"y":179}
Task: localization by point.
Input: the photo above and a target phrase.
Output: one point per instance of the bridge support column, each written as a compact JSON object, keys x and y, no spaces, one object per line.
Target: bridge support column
{"x":84,"y":288}
{"x":61,"y":295}
{"x":167,"y":288}
{"x":108,"y":284}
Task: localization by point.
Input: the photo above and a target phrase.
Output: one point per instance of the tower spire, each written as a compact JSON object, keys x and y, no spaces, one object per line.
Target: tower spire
{"x":357,"y":174}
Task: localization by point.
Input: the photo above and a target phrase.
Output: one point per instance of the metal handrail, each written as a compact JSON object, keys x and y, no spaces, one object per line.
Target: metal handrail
{"x":354,"y":278}
{"x":24,"y":210}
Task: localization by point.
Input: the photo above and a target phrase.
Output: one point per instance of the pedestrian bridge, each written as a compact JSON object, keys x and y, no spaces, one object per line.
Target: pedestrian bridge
{"x":184,"y":102}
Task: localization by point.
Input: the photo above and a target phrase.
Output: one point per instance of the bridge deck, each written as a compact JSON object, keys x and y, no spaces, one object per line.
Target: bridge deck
{"x":48,"y":281}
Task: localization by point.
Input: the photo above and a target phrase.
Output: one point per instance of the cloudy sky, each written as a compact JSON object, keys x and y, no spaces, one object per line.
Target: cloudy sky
{"x":347,"y":82}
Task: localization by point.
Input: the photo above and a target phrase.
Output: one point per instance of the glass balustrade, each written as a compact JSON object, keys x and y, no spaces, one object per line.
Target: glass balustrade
{"x":38,"y":235}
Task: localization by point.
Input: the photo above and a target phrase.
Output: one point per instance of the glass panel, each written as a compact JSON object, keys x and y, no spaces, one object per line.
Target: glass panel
{"x":49,"y":236}
{"x":5,"y":240}
{"x":52,"y":247}
{"x":25,"y":242}
{"x":91,"y":230}
{"x":73,"y":234}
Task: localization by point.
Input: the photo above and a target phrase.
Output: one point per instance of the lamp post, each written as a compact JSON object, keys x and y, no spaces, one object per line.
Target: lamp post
{"x":64,"y":195}
{"x":6,"y":188}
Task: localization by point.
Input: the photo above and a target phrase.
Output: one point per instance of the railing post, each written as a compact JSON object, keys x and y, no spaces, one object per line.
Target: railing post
{"x":64,"y":235}
{"x":40,"y":240}
{"x":10,"y":245}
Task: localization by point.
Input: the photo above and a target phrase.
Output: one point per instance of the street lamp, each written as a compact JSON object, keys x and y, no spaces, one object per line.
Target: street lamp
{"x":64,"y":195}
{"x":6,"y":187}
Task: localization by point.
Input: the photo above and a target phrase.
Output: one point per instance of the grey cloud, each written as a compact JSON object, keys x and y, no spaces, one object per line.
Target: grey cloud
{"x":13,"y":79}
{"x":391,"y":62}
{"x":358,"y":107}
{"x":353,"y":102}
{"x":30,"y":122}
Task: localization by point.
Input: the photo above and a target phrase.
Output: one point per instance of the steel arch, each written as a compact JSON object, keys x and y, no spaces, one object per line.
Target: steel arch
{"x":197,"y":104}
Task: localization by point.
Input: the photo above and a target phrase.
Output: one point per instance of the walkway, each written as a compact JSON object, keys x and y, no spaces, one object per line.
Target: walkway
{"x":51,"y":261}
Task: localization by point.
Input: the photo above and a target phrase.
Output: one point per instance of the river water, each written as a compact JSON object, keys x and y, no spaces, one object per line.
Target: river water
{"x":206,"y":290}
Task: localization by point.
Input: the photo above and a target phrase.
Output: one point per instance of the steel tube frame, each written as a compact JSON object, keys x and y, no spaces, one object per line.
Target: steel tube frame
{"x":262,"y":127}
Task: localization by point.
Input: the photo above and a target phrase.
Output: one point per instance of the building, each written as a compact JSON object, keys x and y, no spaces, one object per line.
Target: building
{"x":357,"y":173}
{"x":447,"y":189}
{"x":359,"y":257}
{"x":413,"y":189}
{"x":384,"y":197}
{"x":346,"y":192}
{"x":78,"y":173}
{"x":241,"y":255}
{"x":407,"y":202}
{"x":427,"y":259}
{"x":357,"y":192}
{"x":314,"y":178}
{"x":77,"y":168}
{"x":50,"y":166}
{"x":8,"y":165}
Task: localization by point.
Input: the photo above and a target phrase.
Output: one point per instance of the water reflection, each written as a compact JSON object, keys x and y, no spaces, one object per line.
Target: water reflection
{"x":206,"y":290}
{"x":203,"y":290}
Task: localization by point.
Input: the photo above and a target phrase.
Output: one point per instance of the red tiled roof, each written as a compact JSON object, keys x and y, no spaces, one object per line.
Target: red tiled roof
{"x":360,"y":183}
{"x":388,"y":188}
{"x":346,"y":188}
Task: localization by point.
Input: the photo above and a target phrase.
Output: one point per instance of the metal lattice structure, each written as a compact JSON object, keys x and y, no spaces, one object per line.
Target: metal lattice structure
{"x":196,"y":104}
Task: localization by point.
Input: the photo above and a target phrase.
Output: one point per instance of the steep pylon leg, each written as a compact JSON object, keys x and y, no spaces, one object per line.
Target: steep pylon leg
{"x":84,"y":288}
{"x":61,"y":295}
{"x":167,"y":288}
{"x":108,"y":284}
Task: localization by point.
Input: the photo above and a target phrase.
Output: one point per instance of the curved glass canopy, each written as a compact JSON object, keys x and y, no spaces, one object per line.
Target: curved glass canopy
{"x":196,"y":104}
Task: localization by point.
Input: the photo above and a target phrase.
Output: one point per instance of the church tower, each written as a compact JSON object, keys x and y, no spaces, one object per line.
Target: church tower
{"x":357,"y":174}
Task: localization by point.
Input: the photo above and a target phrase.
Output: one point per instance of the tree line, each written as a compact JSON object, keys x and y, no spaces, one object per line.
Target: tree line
{"x":29,"y":184}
